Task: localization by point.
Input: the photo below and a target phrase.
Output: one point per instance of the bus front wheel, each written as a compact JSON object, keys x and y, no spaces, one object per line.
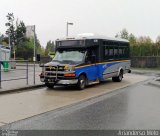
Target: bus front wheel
{"x":81,"y":82}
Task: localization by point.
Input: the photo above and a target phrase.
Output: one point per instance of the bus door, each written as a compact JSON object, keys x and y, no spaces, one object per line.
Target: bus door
{"x":91,"y":69}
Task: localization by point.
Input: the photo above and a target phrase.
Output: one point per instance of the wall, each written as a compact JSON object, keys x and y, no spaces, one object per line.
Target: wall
{"x":145,"y":62}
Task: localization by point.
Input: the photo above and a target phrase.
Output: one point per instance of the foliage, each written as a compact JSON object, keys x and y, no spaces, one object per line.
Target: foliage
{"x":132,"y":39}
{"x":50,"y":47}
{"x":123,"y":34}
{"x":20,"y":32}
{"x":39,"y":48}
{"x":25,"y":51}
{"x":141,"y":46}
{"x":1,"y":38}
{"x":16,"y":31}
{"x":11,"y":28}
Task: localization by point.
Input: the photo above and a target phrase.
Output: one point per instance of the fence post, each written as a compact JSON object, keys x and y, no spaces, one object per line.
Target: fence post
{"x":34,"y":74}
{"x":0,"y":76}
{"x":27,"y":71}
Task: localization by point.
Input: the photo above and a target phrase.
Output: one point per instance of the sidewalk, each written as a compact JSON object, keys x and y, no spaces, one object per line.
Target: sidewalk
{"x":155,"y":82}
{"x":146,"y":71}
{"x":17,"y":85}
{"x":149,"y":72}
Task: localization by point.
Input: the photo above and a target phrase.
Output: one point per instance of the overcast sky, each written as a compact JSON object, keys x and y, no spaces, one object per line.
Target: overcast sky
{"x":104,"y":17}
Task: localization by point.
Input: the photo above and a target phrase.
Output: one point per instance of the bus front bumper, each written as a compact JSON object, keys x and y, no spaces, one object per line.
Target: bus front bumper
{"x":67,"y":82}
{"x":61,"y":81}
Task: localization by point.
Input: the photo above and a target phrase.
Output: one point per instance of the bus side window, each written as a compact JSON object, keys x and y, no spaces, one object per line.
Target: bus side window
{"x":120,"y":52}
{"x":123,"y":52}
{"x":111,"y":53}
{"x":89,"y":56}
{"x":116,"y":52}
{"x":106,"y":52}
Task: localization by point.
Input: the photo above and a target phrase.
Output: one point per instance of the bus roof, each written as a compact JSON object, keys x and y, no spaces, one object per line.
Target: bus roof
{"x":92,"y":36}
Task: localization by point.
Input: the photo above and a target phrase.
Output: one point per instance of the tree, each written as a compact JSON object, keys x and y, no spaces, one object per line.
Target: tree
{"x":39,"y":48}
{"x":133,"y":42}
{"x":0,"y":38}
{"x":3,"y":40}
{"x":132,"y":39}
{"x":25,"y":51}
{"x":15,"y":32}
{"x":158,"y":45}
{"x":146,"y":46}
{"x":50,"y":47}
{"x":158,"y":40}
{"x":144,"y":40}
{"x":20,"y":32}
{"x":122,"y":34}
{"x":11,"y":28}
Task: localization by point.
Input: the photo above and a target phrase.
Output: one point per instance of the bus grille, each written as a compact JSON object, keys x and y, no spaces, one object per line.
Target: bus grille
{"x":54,"y":68}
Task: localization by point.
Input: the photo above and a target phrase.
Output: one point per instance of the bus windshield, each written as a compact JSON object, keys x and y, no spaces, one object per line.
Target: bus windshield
{"x":74,"y":56}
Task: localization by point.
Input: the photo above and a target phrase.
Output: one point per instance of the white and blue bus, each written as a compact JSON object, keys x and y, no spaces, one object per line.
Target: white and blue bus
{"x":87,"y":59}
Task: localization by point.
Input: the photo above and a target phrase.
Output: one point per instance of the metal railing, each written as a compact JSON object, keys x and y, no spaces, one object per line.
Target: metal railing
{"x":18,"y":66}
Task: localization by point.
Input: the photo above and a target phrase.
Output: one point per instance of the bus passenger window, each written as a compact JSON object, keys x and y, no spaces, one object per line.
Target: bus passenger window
{"x":106,"y":52}
{"x":116,"y":52}
{"x":111,"y":52}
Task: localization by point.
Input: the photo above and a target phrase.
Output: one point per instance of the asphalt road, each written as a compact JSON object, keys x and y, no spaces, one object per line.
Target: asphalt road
{"x":134,"y":107}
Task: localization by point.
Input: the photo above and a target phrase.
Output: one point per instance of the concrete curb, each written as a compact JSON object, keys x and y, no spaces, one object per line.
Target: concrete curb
{"x":156,"y":83}
{"x":21,"y":89}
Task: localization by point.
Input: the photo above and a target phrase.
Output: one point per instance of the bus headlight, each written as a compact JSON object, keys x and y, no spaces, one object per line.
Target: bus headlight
{"x":69,"y":68}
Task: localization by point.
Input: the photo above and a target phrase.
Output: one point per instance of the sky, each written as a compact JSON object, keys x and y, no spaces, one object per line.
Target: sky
{"x":104,"y":17}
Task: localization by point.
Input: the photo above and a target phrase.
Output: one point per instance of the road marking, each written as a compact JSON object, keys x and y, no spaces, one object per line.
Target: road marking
{"x":20,"y":106}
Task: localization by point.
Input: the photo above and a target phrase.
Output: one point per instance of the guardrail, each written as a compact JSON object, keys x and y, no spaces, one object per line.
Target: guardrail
{"x":20,"y":66}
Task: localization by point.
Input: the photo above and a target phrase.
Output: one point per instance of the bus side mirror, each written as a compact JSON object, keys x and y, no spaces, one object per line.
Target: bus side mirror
{"x":38,"y":57}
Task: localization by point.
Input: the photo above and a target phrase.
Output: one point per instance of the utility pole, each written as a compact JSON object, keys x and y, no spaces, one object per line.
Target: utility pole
{"x":14,"y":51}
{"x":9,"y":43}
{"x":67,"y":28}
{"x":34,"y":57}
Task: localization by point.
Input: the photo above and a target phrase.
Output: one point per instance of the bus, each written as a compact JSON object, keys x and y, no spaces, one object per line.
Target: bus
{"x":87,"y":59}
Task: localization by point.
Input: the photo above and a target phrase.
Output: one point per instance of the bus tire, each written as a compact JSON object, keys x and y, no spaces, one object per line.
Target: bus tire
{"x":49,"y":85}
{"x":81,"y":82}
{"x":114,"y":79}
{"x":118,"y":78}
